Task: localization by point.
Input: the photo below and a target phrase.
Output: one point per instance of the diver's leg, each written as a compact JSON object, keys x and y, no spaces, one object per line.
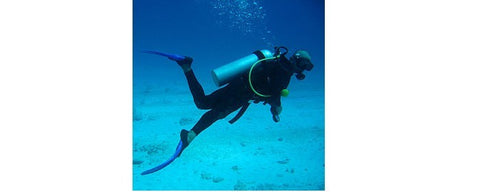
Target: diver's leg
{"x":185,"y":64}
{"x":196,"y":89}
{"x":226,"y":101}
{"x":205,"y":121}
{"x":208,"y":119}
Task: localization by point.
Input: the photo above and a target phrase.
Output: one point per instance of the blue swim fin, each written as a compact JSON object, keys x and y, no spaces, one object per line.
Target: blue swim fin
{"x":166,"y":163}
{"x":174,"y":57}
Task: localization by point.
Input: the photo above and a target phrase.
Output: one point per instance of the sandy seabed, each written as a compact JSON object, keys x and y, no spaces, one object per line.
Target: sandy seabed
{"x":254,"y":153}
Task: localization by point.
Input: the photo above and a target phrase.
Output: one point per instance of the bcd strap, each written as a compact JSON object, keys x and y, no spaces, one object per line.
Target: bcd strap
{"x":240,"y":113}
{"x":259,"y":54}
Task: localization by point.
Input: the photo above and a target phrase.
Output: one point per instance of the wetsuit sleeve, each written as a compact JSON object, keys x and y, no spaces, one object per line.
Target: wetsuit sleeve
{"x":275,"y":109}
{"x":281,"y":79}
{"x":275,"y":100}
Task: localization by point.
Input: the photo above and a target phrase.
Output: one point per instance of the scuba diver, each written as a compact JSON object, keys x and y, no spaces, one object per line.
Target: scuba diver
{"x":265,"y":84}
{"x":259,"y":77}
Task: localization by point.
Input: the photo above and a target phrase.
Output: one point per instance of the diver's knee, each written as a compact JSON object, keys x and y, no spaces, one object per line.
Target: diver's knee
{"x":221,"y":114}
{"x":201,"y":105}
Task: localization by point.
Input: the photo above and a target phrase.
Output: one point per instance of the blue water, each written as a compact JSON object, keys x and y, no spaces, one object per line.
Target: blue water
{"x":214,"y":33}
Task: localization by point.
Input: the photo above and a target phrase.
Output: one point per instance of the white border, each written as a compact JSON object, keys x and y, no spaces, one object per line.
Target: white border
{"x":402,"y":95}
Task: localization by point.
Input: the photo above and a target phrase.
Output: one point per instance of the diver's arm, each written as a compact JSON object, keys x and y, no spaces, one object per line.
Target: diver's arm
{"x":275,"y":113}
{"x":281,"y":79}
{"x":275,"y":107}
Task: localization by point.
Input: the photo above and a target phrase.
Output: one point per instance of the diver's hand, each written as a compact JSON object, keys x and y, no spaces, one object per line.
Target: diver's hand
{"x":276,"y":118}
{"x":276,"y":110}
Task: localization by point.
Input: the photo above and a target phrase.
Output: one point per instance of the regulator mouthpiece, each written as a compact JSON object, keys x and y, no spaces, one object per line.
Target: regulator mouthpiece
{"x":300,"y":76}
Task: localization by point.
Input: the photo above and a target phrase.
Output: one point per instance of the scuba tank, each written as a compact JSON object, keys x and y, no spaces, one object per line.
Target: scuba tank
{"x":224,"y":74}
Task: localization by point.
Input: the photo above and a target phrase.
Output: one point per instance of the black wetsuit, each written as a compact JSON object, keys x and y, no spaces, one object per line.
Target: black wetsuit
{"x":268,"y":78}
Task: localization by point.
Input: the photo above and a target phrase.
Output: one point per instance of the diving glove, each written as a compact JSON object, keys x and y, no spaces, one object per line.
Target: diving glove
{"x":276,"y":110}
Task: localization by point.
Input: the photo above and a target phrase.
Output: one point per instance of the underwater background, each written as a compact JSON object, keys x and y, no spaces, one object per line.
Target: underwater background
{"x":66,"y":103}
{"x":255,"y":153}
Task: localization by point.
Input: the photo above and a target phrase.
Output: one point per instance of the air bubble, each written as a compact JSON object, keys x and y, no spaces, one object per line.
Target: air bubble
{"x":244,"y":15}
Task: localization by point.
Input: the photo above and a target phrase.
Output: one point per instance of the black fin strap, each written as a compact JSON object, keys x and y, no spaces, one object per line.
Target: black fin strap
{"x":240,"y":113}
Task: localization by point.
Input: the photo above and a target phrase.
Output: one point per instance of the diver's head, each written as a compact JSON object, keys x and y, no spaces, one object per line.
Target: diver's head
{"x":301,"y":61}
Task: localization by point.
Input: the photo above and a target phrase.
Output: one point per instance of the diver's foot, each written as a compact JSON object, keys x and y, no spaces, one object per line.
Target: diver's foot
{"x":186,"y":137}
{"x":186,"y":64}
